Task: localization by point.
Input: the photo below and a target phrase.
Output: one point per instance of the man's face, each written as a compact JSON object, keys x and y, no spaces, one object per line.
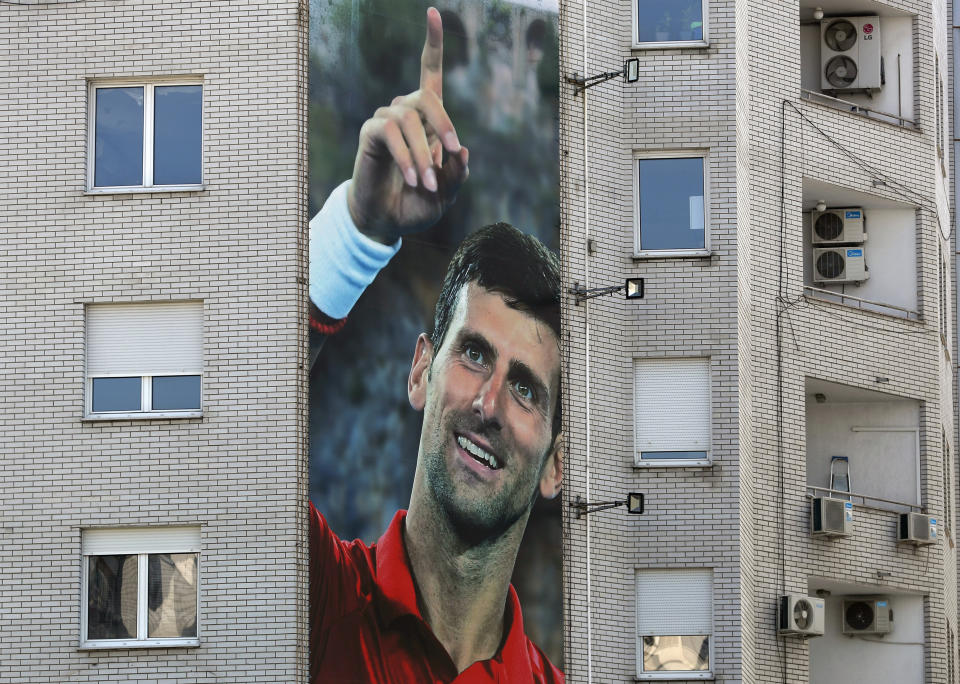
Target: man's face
{"x":488,"y":396}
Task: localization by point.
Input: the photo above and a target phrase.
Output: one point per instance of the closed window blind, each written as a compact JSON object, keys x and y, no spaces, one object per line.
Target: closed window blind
{"x":674,"y":602}
{"x":145,"y":339}
{"x":131,"y":540}
{"x":672,"y":404}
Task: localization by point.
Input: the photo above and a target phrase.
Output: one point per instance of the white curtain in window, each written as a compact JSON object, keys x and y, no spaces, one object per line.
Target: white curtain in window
{"x":675,"y":602}
{"x":672,"y":404}
{"x":145,"y":339}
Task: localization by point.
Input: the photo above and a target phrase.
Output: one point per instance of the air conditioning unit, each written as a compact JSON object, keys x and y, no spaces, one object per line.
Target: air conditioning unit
{"x":837,"y":226}
{"x":917,"y":528}
{"x":850,"y":53}
{"x":839,"y":265}
{"x":830,"y":517}
{"x":800,"y":615}
{"x":867,"y":615}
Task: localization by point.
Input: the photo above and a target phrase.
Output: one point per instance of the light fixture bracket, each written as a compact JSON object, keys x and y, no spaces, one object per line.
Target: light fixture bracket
{"x":632,"y":288}
{"x":630,"y":73}
{"x":633,"y":503}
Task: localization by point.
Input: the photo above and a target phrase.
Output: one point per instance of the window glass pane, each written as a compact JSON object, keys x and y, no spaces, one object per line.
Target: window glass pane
{"x":176,"y":135}
{"x":670,"y":455}
{"x":671,"y":203}
{"x":676,"y":653}
{"x":663,"y":20}
{"x":176,"y":392}
{"x":116,"y":394}
{"x":172,"y":595}
{"x":112,"y":597}
{"x":118,"y":140}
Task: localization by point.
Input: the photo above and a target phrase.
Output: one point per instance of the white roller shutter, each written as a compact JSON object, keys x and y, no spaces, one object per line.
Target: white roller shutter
{"x":674,"y":602}
{"x":672,"y":404}
{"x":124,"y":540}
{"x":145,"y":339}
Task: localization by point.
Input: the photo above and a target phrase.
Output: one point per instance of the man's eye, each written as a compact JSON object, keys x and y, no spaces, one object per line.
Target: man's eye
{"x":473,"y":354}
{"x":523,"y":390}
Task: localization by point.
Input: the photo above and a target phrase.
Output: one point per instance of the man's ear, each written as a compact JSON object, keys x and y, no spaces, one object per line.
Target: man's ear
{"x":552,"y":476}
{"x":419,"y":372}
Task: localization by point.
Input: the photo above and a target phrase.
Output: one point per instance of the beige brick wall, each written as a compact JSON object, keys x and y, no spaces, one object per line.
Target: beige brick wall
{"x":237,"y":245}
{"x":727,"y":98}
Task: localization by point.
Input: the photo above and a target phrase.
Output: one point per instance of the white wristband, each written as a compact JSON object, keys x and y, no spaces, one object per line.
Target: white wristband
{"x":343,"y":261}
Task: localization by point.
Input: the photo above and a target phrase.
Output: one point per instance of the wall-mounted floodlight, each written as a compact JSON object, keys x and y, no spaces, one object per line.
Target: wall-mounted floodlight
{"x":818,"y":14}
{"x":632,"y":288}
{"x":630,"y":73}
{"x":633,"y":503}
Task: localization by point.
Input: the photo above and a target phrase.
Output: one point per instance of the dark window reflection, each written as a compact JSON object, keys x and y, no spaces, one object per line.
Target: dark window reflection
{"x":172,"y":595}
{"x":176,"y":137}
{"x":112,"y":597}
{"x":118,"y":139}
{"x":671,"y":203}
{"x":669,"y":20}
{"x":176,"y":392}
{"x":116,"y":394}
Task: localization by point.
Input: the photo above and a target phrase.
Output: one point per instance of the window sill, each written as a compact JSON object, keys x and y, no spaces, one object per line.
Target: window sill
{"x":140,"y":190}
{"x":673,"y":254}
{"x":674,"y":676}
{"x":153,"y":415}
{"x":671,"y":45}
{"x":644,"y":465}
{"x":138,"y":643}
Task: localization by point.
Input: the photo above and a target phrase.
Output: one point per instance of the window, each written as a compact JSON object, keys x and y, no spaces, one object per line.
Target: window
{"x":145,"y":135}
{"x":947,"y":486}
{"x":943,"y":294}
{"x":670,"y":210}
{"x":671,"y":22}
{"x":144,"y":360}
{"x":939,"y":115}
{"x":140,"y":587}
{"x":672,"y":411}
{"x":674,"y":623}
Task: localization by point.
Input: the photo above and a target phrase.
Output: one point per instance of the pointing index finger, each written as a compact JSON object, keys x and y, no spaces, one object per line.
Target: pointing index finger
{"x":431,"y":61}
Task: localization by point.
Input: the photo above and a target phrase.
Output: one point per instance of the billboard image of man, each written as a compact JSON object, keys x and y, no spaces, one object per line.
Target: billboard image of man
{"x":431,"y":601}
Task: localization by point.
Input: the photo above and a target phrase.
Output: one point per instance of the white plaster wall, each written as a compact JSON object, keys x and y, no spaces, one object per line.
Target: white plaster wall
{"x":889,"y":250}
{"x":896,"y":657}
{"x":896,"y":36}
{"x":883,"y":464}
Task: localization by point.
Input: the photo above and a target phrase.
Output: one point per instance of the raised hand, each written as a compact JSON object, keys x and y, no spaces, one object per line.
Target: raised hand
{"x":402,"y":180}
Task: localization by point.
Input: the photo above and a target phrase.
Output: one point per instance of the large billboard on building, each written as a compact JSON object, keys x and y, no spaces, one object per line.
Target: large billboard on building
{"x":435,"y":354}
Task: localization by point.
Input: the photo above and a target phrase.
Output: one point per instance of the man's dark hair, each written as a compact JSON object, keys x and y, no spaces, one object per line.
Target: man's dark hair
{"x":517,"y":266}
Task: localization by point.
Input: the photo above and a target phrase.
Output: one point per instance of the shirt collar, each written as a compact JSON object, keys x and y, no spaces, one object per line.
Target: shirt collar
{"x":395,"y":581}
{"x":394,"y":577}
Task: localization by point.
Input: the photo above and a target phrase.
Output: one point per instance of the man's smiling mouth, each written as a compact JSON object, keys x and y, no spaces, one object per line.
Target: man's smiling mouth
{"x":479,"y":454}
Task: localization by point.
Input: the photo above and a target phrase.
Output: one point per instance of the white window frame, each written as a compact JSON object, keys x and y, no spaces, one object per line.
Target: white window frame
{"x":668,"y":44}
{"x":146,"y":411}
{"x":706,"y":462}
{"x":142,"y":596}
{"x":148,"y":114}
{"x":146,"y":399}
{"x":683,"y":675}
{"x":638,"y":251}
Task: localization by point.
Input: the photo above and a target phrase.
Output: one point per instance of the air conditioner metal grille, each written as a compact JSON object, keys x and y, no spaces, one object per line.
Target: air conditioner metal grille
{"x":829,"y":226}
{"x":830,"y":265}
{"x":840,"y":36}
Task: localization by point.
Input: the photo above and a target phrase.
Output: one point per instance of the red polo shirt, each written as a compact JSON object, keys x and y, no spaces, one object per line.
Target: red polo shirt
{"x":365,"y":625}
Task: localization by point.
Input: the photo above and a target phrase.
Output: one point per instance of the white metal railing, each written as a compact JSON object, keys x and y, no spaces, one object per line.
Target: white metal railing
{"x":863,"y":110}
{"x":860,"y":302}
{"x":863,"y":499}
